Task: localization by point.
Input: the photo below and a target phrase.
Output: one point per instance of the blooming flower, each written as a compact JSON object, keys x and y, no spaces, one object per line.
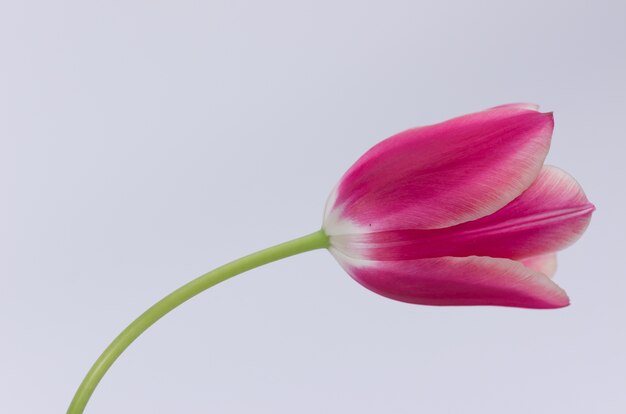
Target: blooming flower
{"x":459,"y":213}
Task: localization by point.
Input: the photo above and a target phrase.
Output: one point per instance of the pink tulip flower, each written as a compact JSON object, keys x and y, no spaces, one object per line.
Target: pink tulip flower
{"x":459,"y":213}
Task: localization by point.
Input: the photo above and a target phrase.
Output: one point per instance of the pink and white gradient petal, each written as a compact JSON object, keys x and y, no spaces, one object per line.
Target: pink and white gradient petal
{"x":458,"y":281}
{"x":549,"y":216}
{"x":442,"y":175}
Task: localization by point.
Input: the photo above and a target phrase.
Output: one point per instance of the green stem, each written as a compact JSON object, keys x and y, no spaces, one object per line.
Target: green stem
{"x":313,"y":241}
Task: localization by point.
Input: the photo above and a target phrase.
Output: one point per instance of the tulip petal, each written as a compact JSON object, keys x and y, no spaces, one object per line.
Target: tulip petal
{"x":549,"y":216}
{"x":545,"y":264}
{"x":463,"y":281}
{"x":444,"y":174}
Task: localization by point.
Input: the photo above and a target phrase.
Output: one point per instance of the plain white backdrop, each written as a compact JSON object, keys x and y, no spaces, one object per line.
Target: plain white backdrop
{"x":143,"y":143}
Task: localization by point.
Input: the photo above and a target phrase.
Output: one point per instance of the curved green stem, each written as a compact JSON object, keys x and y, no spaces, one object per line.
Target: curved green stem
{"x":313,"y":241}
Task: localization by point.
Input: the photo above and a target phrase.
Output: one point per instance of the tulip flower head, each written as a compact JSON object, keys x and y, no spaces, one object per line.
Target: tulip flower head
{"x":459,"y":213}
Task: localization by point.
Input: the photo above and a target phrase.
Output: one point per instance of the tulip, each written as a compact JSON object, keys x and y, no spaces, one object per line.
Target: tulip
{"x":459,"y":213}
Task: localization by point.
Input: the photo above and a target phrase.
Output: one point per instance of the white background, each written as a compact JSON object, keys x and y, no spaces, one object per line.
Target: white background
{"x":144,"y":143}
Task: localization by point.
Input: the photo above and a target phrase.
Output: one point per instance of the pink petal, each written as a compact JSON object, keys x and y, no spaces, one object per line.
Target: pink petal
{"x":444,"y":174}
{"x":449,"y":281}
{"x":549,"y":216}
{"x":545,"y":264}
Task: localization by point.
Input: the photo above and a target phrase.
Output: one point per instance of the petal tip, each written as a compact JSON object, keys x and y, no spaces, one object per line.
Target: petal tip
{"x":548,"y":118}
{"x":562,"y":301}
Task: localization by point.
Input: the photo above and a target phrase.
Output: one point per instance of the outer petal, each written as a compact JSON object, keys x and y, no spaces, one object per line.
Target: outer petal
{"x":458,"y":281}
{"x":549,"y":216}
{"x":444,"y":174}
{"x":545,"y":264}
